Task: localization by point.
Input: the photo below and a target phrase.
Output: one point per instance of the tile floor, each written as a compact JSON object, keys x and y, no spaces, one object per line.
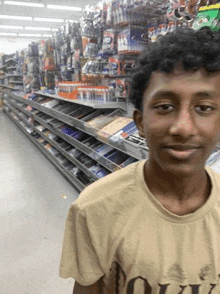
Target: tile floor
{"x":32,"y":216}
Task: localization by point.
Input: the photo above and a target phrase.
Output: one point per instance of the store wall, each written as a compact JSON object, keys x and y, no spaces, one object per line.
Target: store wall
{"x":11,"y":45}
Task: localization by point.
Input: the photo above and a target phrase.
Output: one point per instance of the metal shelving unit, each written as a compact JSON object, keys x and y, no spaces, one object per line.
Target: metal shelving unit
{"x":16,"y":82}
{"x":97,"y":105}
{"x":111,"y":166}
{"x":7,"y":87}
{"x":17,"y":104}
{"x":63,"y":170}
{"x":67,"y":155}
{"x":133,"y":150}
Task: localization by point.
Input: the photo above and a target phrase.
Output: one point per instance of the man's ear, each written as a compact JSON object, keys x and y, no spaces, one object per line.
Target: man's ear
{"x":138,"y":119}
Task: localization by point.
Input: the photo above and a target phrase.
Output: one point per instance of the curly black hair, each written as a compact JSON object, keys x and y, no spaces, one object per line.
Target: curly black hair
{"x":194,"y":49}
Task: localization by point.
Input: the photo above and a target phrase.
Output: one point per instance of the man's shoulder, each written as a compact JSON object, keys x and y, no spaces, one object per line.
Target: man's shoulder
{"x":214,"y":174}
{"x":215,"y":181}
{"x":116,"y":183}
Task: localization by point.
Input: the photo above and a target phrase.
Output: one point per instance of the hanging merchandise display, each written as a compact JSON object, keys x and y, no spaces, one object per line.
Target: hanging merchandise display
{"x":69,"y":90}
{"x":130,"y":40}
{"x":187,"y":10}
{"x":31,"y":68}
{"x":107,"y":40}
{"x":109,"y":44}
{"x":208,"y":16}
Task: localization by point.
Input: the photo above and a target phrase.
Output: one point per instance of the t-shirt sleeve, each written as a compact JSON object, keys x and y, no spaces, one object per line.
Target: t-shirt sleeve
{"x":79,"y":258}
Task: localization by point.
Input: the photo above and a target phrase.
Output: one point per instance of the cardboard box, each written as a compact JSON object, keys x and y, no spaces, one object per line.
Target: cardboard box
{"x":114,"y":127}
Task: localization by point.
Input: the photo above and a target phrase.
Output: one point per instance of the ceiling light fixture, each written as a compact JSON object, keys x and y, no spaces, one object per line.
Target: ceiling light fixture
{"x":47,"y":35}
{"x":37,"y":29}
{"x":48,"y":19}
{"x":11,"y":27}
{"x":24,"y":4}
{"x":72,"y":8}
{"x":15,"y":17}
{"x":54,"y":30}
{"x":8,"y":34}
{"x":30,"y":35}
{"x":71,"y":20}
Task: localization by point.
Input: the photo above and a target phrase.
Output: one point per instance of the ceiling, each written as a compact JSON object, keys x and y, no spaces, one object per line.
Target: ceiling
{"x":43,"y":12}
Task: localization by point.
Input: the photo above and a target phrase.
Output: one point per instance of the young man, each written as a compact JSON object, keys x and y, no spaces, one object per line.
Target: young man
{"x":154,"y":226}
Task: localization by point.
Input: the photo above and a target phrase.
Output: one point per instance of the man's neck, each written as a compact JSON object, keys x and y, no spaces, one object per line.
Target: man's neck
{"x":179,"y":195}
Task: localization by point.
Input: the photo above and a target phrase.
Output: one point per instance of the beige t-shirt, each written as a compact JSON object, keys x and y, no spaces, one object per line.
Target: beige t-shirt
{"x":118,"y":230}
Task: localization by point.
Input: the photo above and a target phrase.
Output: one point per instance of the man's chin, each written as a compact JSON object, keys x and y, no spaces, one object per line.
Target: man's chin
{"x":175,"y":168}
{"x":182,"y":169}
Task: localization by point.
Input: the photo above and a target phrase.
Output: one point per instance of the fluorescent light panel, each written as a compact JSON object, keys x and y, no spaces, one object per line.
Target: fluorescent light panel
{"x":64,"y":7}
{"x":8,"y":34}
{"x":15,"y":17}
{"x":30,"y":35}
{"x":37,"y":29}
{"x":47,"y":35}
{"x":11,"y":27}
{"x":24,"y":4}
{"x":48,"y":19}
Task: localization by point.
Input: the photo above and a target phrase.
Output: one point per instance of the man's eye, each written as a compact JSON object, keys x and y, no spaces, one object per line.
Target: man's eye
{"x":164,"y":107}
{"x":205,"y":108}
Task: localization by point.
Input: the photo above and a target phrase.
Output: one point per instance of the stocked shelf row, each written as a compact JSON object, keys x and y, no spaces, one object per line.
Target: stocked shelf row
{"x":94,"y":166}
{"x":73,"y":179}
{"x":98,"y":104}
{"x":135,"y":148}
{"x":8,"y":87}
{"x":48,"y":123}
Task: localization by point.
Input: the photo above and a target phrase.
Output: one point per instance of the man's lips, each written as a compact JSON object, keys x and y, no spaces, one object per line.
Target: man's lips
{"x":181,"y":151}
{"x":182,"y":147}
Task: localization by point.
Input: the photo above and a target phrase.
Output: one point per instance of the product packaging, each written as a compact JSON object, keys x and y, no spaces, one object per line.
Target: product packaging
{"x":115,"y":66}
{"x":124,"y":132}
{"x":109,"y":41}
{"x":130,"y":40}
{"x":104,"y":149}
{"x":113,"y":127}
{"x":208,"y":16}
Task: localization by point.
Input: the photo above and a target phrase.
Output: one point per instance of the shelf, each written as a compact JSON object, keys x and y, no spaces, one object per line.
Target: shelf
{"x":67,"y":155}
{"x":56,"y":114}
{"x":19,"y":115}
{"x":21,"y":108}
{"x":10,"y":67}
{"x":80,"y":186}
{"x":111,"y":166}
{"x":95,"y":105}
{"x":7,"y":87}
{"x":10,"y":60}
{"x":129,"y":148}
{"x":12,"y":75}
{"x":16,"y":82}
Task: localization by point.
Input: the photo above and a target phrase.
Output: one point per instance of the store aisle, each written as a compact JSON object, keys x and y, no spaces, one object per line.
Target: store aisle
{"x":32,"y":214}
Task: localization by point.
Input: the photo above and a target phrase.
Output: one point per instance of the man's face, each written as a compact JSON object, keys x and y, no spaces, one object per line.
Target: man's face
{"x":182,"y":109}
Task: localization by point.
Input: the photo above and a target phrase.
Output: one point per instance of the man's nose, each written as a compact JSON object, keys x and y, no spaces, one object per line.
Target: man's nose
{"x":183,"y":125}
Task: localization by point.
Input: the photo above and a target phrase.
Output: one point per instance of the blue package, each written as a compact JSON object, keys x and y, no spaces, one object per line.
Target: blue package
{"x":67,"y":131}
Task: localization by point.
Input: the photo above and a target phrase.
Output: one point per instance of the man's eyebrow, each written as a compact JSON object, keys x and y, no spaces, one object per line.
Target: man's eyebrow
{"x":208,"y":94}
{"x":163,"y":94}
{"x":170,"y":94}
